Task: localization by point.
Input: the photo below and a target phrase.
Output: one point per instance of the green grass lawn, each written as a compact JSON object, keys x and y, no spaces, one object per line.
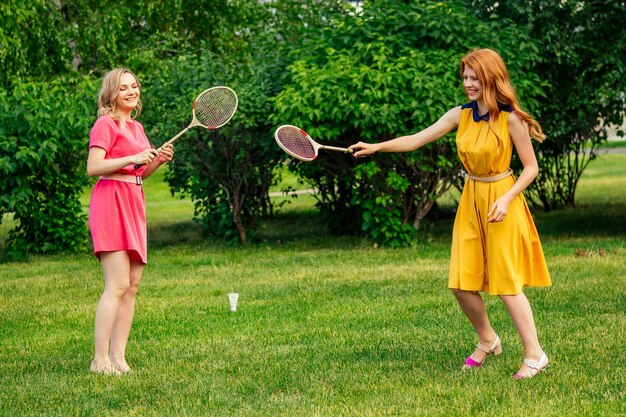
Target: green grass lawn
{"x":620,"y":143}
{"x":326,"y":326}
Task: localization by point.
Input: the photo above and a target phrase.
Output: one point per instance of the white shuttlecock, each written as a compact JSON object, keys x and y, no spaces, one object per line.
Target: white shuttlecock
{"x":233,"y":297}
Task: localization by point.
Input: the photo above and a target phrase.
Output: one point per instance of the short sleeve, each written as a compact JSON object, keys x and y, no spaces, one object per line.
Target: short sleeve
{"x":103,"y":133}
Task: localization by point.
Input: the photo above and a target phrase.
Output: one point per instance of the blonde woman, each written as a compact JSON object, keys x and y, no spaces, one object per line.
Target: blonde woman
{"x":117,"y":218}
{"x":495,"y":245}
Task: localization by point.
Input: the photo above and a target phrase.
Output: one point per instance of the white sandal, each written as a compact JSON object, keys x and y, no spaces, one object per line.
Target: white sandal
{"x":536,"y":367}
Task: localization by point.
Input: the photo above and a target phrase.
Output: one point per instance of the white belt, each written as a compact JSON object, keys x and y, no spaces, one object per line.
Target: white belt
{"x":492,"y":179}
{"x":121,"y":177}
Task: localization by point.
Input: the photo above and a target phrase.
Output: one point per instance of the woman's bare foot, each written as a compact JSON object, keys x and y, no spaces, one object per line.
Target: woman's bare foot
{"x":532,"y":367}
{"x":119,"y":365}
{"x":103,"y":366}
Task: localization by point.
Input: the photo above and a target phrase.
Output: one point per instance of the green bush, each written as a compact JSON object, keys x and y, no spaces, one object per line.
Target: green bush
{"x":389,"y":71}
{"x":582,"y":66}
{"x":44,"y":130}
{"x":227,"y":173}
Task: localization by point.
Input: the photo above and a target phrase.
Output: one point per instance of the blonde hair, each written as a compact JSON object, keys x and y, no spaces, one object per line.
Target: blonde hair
{"x":497,"y":88}
{"x":107,"y":99}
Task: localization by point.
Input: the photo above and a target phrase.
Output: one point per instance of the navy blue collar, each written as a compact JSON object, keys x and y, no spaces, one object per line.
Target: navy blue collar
{"x":478,"y":117}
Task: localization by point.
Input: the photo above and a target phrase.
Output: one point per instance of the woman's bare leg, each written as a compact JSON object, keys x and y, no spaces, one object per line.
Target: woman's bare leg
{"x":116,"y":269}
{"x":474,"y":308}
{"x":522,"y":316}
{"x":124,"y":320}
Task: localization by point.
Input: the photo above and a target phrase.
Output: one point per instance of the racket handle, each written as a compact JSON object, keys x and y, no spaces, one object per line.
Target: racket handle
{"x":334,"y":148}
{"x":137,"y":166}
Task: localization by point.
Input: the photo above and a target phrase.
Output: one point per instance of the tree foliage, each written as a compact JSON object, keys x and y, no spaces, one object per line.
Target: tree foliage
{"x":31,"y":44}
{"x":341,"y":74}
{"x":42,"y":150}
{"x":390,"y":70}
{"x":582,"y":49}
{"x":142,"y":33}
{"x":227,"y":172}
{"x":170,"y":46}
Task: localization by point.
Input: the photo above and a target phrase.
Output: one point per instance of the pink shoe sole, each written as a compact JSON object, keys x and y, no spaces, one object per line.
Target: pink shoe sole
{"x":471,"y":363}
{"x":495,"y":349}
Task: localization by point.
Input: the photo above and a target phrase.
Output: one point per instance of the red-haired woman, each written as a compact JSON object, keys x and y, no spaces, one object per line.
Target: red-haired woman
{"x":495,"y":245}
{"x":117,"y":218}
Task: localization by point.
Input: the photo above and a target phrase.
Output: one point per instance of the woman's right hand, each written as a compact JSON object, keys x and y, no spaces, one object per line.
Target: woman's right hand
{"x":144,"y":157}
{"x":362,"y":149}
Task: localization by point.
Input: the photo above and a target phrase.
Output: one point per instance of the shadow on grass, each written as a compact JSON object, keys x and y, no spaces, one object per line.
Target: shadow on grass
{"x":585,"y":220}
{"x":301,"y":226}
{"x":290,"y":226}
{"x":167,"y":234}
{"x":307,"y":227}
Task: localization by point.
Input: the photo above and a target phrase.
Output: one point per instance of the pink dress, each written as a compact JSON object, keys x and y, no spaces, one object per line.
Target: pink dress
{"x":117,"y":210}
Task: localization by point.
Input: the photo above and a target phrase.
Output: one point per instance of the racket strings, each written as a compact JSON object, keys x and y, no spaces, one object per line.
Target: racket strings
{"x":215,"y":107}
{"x":296,"y":142}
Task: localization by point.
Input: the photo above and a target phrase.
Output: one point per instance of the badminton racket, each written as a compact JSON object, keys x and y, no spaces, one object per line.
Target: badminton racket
{"x":212,"y":109}
{"x":297,"y":143}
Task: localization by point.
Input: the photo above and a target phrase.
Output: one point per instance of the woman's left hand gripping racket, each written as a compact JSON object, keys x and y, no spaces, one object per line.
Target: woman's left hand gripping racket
{"x":212,"y":109}
{"x":297,"y":143}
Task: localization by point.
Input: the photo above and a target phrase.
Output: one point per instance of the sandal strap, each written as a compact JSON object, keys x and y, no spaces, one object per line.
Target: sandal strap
{"x":488,"y":350}
{"x":531,"y":363}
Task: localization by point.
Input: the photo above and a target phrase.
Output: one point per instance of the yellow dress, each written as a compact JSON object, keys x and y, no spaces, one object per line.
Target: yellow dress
{"x":502,"y":257}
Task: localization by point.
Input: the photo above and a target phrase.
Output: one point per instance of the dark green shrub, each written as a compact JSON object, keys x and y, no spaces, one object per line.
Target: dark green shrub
{"x":44,"y":128}
{"x":389,"y":71}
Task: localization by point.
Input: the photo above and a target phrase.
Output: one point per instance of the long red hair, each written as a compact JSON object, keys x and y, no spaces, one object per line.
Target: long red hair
{"x":497,"y":88}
